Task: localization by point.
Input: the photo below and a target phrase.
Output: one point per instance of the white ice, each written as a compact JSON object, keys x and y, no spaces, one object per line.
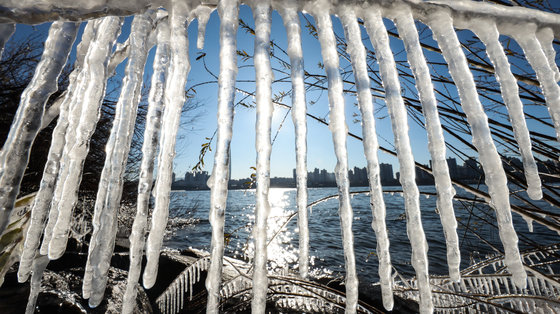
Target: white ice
{"x":27,"y":121}
{"x":149,"y":149}
{"x":228,"y":11}
{"x":357,"y":53}
{"x":109,"y":192}
{"x":488,"y":34}
{"x":293,"y":29}
{"x":436,"y":141}
{"x":442,"y":28}
{"x":174,"y":101}
{"x":397,"y":112}
{"x":263,"y":77}
{"x":41,"y":203}
{"x":339,"y":130}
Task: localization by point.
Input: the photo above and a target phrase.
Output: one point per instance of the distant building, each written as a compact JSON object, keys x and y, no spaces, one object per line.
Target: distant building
{"x":386,"y":173}
{"x":196,"y":180}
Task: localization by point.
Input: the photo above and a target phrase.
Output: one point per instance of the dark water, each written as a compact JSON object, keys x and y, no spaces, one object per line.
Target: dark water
{"x":325,"y":237}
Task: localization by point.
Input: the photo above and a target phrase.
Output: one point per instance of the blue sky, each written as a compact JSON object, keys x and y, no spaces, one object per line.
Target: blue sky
{"x":320,"y":148}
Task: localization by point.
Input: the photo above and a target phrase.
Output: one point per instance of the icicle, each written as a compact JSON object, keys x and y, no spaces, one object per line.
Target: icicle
{"x":42,"y":201}
{"x":27,"y":121}
{"x":488,"y":34}
{"x":228,"y":11}
{"x":110,"y":188}
{"x":293,"y":30}
{"x":263,"y":78}
{"x":95,"y":69}
{"x":442,"y":27}
{"x":6,"y":31}
{"x":436,"y":142}
{"x":358,"y":56}
{"x":149,"y":148}
{"x":339,"y":132}
{"x":395,"y":106}
{"x":527,"y":39}
{"x":174,"y":100}
{"x":39,"y":266}
{"x":545,"y":37}
{"x":202,"y":15}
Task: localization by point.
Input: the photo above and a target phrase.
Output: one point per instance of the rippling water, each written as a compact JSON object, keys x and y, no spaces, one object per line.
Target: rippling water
{"x":324,"y":226}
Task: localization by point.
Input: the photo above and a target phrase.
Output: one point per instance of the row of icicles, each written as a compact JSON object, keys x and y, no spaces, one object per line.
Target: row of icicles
{"x":79,"y":113}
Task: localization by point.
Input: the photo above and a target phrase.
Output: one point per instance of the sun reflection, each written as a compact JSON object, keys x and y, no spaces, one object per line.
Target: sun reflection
{"x":282,"y":254}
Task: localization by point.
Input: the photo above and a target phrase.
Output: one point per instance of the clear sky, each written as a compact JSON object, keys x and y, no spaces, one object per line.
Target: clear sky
{"x":320,"y":149}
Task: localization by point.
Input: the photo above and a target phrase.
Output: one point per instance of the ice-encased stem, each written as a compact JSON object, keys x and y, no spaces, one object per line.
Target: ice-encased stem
{"x":75,"y":106}
{"x":6,"y":31}
{"x":263,"y":78}
{"x":95,"y":70}
{"x":537,"y":58}
{"x":111,"y":183}
{"x":339,"y":130}
{"x":149,"y":149}
{"x":546,"y":37}
{"x":495,"y":177}
{"x":357,"y":53}
{"x":228,"y":11}
{"x":202,"y":15}
{"x":174,"y":101}
{"x":42,"y":201}
{"x":397,"y":112}
{"x":293,"y":29}
{"x":14,"y":155}
{"x":39,"y":265}
{"x":436,"y":141}
{"x":488,"y":34}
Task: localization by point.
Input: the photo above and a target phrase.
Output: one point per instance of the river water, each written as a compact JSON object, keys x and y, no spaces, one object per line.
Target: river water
{"x":325,"y":237}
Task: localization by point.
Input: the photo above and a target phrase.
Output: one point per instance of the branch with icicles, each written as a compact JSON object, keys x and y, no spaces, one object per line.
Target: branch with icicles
{"x":98,"y":55}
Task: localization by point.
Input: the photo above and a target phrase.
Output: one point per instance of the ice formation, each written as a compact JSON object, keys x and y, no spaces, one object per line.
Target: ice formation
{"x":442,"y":27}
{"x":339,"y":130}
{"x":96,"y":58}
{"x":263,"y":77}
{"x":358,"y":55}
{"x":436,"y":142}
{"x":179,"y":68}
{"x":290,"y":17}
{"x":228,"y":11}
{"x":149,"y":147}
{"x":397,"y":112}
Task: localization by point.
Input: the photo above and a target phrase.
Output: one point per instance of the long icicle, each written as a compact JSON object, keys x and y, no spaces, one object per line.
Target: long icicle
{"x":263,"y":78}
{"x":357,"y":53}
{"x":75,"y":108}
{"x":397,"y":112}
{"x":488,"y":34}
{"x":149,"y":149}
{"x":291,"y":23}
{"x":436,"y":141}
{"x":228,"y":11}
{"x":174,"y":101}
{"x":96,"y":61}
{"x":14,"y":156}
{"x":527,"y":39}
{"x":109,"y":193}
{"x":495,"y":177}
{"x":39,"y":266}
{"x":339,"y":131}
{"x":42,"y":201}
{"x":546,"y":38}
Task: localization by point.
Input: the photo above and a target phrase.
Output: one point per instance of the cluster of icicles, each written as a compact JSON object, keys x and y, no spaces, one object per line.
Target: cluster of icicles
{"x":166,"y":29}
